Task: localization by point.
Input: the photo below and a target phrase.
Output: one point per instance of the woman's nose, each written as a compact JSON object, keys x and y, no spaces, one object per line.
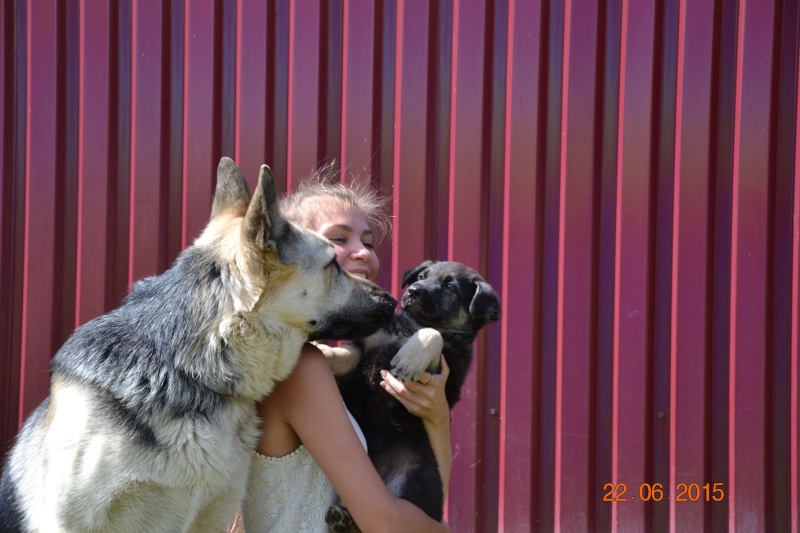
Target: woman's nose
{"x":360,"y":251}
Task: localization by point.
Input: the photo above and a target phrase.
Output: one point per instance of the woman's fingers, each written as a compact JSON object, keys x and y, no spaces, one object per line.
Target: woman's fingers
{"x":425,"y":378}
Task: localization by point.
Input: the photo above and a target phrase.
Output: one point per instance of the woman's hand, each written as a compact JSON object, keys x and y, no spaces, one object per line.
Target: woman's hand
{"x":425,"y":397}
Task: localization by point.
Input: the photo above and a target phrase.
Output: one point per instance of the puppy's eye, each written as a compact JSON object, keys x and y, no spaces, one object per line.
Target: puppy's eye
{"x":421,"y":276}
{"x":449,"y":284}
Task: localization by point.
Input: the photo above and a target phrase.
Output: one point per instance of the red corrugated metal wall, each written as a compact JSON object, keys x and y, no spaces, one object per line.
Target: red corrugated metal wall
{"x":624,"y":172}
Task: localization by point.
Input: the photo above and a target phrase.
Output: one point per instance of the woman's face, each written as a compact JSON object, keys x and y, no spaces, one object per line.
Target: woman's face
{"x":347,"y":229}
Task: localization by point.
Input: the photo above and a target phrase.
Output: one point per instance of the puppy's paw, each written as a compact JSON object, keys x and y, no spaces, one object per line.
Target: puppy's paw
{"x":420,"y":352}
{"x":339,"y":520}
{"x":342,"y":359}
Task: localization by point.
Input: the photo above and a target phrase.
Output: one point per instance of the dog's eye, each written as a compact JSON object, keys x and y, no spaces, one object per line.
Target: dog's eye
{"x":421,"y":276}
{"x":449,"y":283}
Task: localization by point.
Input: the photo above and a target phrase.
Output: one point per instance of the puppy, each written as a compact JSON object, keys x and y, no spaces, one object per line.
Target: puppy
{"x":444,"y":307}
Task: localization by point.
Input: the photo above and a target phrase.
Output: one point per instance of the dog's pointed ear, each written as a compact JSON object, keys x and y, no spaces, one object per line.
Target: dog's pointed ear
{"x":232,"y":195}
{"x":263,"y":223}
{"x":409,"y":275}
{"x":485,"y":304}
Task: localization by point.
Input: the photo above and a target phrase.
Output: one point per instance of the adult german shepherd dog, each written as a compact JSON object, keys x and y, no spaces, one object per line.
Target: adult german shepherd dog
{"x":151,"y":422}
{"x":445,"y":306}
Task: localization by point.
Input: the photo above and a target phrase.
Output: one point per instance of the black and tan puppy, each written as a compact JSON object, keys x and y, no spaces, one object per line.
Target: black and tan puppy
{"x":444,"y":307}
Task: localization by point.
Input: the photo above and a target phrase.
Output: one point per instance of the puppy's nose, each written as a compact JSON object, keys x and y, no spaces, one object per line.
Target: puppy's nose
{"x":412,"y":290}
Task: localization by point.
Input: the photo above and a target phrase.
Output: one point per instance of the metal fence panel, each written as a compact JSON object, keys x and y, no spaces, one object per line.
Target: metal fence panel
{"x":624,"y":173}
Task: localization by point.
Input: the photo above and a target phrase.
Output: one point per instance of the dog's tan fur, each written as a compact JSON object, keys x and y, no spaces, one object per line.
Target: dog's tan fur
{"x":151,"y":422}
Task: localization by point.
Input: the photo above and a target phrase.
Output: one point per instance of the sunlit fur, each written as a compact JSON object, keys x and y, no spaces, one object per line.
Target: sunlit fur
{"x":150,"y":422}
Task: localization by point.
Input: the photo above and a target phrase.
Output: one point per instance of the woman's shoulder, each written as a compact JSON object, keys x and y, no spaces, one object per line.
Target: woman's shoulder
{"x":311,"y":365}
{"x":297,"y":402}
{"x":311,"y":381}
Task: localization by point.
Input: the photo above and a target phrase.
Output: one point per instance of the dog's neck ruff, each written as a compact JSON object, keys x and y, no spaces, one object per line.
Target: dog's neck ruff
{"x":216,"y":386}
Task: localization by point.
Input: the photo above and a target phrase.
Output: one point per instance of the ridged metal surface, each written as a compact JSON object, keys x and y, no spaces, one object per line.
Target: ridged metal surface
{"x":623,"y":172}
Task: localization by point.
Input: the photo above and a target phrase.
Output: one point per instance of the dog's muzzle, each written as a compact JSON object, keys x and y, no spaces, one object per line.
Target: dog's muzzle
{"x":356,"y":324}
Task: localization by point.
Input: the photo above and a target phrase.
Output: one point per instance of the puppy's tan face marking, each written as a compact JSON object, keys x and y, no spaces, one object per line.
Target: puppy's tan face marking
{"x":447,"y":295}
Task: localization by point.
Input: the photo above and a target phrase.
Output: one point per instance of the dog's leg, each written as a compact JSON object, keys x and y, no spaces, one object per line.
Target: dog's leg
{"x":421,"y":352}
{"x":141,"y":507}
{"x":218,"y":514}
{"x":343,"y":359}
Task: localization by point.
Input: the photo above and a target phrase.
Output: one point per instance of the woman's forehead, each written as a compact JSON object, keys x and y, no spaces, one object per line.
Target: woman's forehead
{"x":339,"y":214}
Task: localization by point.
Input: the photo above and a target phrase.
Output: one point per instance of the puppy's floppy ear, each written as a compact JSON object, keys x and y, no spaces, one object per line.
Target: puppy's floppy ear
{"x":263,"y":223}
{"x":232,"y":195}
{"x":485,"y":304}
{"x":409,"y":275}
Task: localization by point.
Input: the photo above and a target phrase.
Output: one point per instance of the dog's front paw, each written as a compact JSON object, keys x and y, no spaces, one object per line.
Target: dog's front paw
{"x":339,"y":520}
{"x":342,"y":359}
{"x":420,"y":352}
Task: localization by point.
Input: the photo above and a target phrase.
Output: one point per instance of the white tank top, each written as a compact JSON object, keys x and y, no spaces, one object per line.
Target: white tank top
{"x":289,"y":493}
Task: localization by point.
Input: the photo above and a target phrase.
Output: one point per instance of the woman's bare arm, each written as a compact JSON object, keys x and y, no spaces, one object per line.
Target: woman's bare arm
{"x":310,"y":403}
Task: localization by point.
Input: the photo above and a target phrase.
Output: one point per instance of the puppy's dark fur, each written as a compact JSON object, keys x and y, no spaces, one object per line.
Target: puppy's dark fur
{"x":454,"y":300}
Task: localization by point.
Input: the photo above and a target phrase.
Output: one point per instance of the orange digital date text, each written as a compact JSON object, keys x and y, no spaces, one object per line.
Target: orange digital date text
{"x":654,"y":492}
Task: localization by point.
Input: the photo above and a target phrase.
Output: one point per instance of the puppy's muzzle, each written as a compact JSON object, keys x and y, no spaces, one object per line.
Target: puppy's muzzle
{"x":414,"y":297}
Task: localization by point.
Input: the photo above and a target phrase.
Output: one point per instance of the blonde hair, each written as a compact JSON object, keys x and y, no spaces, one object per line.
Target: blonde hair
{"x":316,"y":193}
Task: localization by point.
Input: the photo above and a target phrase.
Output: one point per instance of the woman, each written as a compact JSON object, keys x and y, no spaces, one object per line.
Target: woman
{"x":310,"y":445}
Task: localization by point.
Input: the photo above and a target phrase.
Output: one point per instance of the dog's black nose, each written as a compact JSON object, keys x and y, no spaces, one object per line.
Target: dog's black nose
{"x":412,"y":290}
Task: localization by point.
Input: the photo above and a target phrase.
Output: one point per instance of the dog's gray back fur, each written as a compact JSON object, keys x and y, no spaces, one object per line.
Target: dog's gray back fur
{"x":134,"y":352}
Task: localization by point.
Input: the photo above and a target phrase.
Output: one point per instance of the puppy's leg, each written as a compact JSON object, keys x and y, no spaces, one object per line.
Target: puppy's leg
{"x":339,"y":520}
{"x":420,"y":353}
{"x":343,"y":359}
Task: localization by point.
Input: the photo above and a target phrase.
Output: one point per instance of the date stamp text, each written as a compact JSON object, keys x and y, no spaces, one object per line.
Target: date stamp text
{"x":656,"y":492}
